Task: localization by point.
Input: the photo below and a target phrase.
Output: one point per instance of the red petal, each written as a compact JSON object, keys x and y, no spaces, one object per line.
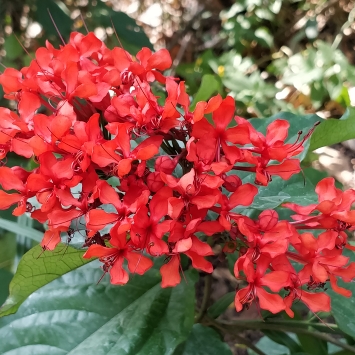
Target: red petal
{"x":50,"y":239}
{"x":276,"y":280}
{"x":7,"y":200}
{"x":170,"y":272}
{"x":224,"y":114}
{"x":210,"y":227}
{"x":326,"y":190}
{"x":199,"y":262}
{"x":99,"y":251}
{"x":160,"y":60}
{"x":316,"y":302}
{"x":119,"y":275}
{"x":243,"y":195}
{"x":270,"y":302}
{"x":98,"y":219}
{"x":277,"y":131}
{"x":137,"y":263}
{"x":286,"y":169}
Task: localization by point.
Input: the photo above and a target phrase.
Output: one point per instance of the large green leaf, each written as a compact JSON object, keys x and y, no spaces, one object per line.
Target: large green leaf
{"x":297,"y":189}
{"x":332,"y":131}
{"x":74,"y":315}
{"x":204,"y":341}
{"x":343,"y":307}
{"x":38,"y":268}
{"x":60,"y":14}
{"x":313,"y":345}
{"x":284,"y":339}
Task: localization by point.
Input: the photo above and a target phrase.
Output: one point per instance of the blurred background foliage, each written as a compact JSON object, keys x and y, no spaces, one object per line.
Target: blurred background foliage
{"x":270,"y":55}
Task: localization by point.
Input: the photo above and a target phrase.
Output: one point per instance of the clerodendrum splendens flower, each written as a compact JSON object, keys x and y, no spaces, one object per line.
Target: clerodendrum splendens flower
{"x":177,"y":190}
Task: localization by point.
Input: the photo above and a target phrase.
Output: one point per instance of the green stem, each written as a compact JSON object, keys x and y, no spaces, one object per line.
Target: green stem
{"x":205,"y":299}
{"x":249,"y":344}
{"x":240,"y":339}
{"x":167,"y":148}
{"x":260,"y":324}
{"x":237,"y":326}
{"x":176,"y":145}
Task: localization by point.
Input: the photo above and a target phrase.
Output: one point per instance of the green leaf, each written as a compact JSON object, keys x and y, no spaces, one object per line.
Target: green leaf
{"x":221,"y":305}
{"x":269,"y":347}
{"x":38,"y":268}
{"x":75,"y":316}
{"x":297,"y":189}
{"x":283,"y":339}
{"x":332,"y":131}
{"x":342,"y":308}
{"x":21,"y":230}
{"x":209,"y":86}
{"x":60,"y":14}
{"x":313,"y":345}
{"x":204,"y":341}
{"x":12,"y":47}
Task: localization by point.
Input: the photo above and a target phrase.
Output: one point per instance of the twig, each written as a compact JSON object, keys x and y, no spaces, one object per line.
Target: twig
{"x":180,"y":54}
{"x":237,"y":326}
{"x":249,"y":344}
{"x":261,"y":324}
{"x":205,"y":299}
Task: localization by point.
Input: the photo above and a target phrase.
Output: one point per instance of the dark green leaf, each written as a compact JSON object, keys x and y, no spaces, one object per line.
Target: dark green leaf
{"x":75,"y":315}
{"x":332,"y":131}
{"x":12,"y":47}
{"x":38,"y":268}
{"x":60,"y":15}
{"x":313,"y":345}
{"x":283,"y":339}
{"x":204,"y":341}
{"x":221,"y":305}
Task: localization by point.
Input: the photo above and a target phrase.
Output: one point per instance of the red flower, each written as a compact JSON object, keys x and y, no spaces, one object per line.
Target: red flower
{"x":113,"y":258}
{"x":255,"y":291}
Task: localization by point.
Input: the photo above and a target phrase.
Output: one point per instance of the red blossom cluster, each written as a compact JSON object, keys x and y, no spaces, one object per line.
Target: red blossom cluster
{"x":86,"y":113}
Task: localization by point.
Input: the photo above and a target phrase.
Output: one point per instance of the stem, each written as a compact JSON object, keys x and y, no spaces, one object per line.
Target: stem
{"x":241,"y":340}
{"x":259,"y":324}
{"x":281,"y":326}
{"x":167,"y":148}
{"x":249,"y":344}
{"x":205,"y":299}
{"x":176,"y":145}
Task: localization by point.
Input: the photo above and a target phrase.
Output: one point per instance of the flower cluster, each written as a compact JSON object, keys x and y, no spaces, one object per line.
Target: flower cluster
{"x":86,"y":114}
